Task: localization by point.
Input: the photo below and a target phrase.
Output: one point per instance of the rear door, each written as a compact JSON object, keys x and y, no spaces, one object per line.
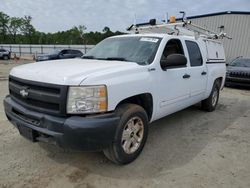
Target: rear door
{"x":76,"y":53}
{"x":66,"y":54}
{"x":198,"y":71}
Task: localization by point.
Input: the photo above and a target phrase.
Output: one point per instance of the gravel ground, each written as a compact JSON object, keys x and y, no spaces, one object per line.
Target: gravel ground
{"x":190,"y":148}
{"x":7,"y":65}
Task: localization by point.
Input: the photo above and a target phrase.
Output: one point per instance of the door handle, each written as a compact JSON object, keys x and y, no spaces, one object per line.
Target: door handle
{"x":186,"y":76}
{"x":203,"y":73}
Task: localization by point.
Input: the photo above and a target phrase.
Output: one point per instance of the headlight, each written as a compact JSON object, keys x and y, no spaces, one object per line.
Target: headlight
{"x":87,"y":99}
{"x":42,"y":58}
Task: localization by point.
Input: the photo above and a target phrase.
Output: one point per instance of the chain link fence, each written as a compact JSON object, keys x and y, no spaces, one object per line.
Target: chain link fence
{"x":34,"y":50}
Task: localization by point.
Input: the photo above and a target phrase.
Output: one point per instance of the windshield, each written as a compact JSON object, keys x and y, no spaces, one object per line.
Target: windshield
{"x":241,"y":63}
{"x":136,"y":49}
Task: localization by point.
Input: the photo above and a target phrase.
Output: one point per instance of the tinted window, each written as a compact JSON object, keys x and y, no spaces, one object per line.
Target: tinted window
{"x":75,"y":52}
{"x":70,"y":51}
{"x":194,"y":53}
{"x":173,"y":46}
{"x":65,"y":52}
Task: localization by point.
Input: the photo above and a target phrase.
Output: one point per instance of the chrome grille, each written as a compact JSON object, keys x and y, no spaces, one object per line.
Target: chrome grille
{"x":240,"y":74}
{"x":38,"y":96}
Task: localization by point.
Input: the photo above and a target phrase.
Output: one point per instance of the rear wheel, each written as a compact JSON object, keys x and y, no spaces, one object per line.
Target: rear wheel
{"x":211,"y":102}
{"x":131,"y":134}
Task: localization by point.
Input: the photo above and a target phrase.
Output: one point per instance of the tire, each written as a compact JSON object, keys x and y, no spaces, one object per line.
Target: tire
{"x":131,"y":134}
{"x":211,"y":102}
{"x":5,"y":57}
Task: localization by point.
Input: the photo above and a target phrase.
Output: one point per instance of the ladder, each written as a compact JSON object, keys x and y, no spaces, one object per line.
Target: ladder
{"x":184,"y":27}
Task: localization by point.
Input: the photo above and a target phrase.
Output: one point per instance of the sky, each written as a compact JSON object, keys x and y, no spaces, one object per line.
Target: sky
{"x":59,"y":15}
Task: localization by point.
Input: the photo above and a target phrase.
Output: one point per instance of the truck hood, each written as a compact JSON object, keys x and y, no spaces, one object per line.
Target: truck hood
{"x":238,"y":69}
{"x":68,"y":72}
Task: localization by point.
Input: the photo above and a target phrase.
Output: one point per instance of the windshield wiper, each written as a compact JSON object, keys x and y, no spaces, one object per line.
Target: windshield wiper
{"x":88,"y":57}
{"x":108,"y":58}
{"x":115,"y":59}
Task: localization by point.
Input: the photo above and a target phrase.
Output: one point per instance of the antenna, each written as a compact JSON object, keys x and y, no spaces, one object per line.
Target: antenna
{"x":183,"y":16}
{"x":135,"y":25}
{"x":134,"y":19}
{"x":166,"y":17}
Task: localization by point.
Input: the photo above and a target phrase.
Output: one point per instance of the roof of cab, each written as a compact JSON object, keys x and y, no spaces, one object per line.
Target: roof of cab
{"x":141,"y":35}
{"x":158,"y":35}
{"x":161,"y":35}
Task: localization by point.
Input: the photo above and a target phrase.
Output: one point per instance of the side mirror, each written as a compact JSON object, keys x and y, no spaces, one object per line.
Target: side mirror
{"x":174,"y":61}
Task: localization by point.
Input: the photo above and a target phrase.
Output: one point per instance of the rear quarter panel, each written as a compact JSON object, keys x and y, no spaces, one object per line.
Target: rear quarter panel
{"x":215,"y":70}
{"x":215,"y":62}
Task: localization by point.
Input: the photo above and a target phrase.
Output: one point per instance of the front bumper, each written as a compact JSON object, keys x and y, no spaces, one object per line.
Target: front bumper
{"x":75,"y":132}
{"x":234,"y":81}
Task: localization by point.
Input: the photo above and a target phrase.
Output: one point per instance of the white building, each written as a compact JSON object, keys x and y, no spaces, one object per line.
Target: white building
{"x":236,"y":25}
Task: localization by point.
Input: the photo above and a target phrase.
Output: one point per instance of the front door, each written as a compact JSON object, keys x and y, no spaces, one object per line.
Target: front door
{"x":173,"y":83}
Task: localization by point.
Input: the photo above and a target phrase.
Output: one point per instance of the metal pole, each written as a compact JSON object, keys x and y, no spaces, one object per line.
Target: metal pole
{"x":20,"y":52}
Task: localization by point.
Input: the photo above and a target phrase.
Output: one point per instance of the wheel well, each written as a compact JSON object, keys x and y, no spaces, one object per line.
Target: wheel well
{"x":219,"y":80}
{"x":144,"y":100}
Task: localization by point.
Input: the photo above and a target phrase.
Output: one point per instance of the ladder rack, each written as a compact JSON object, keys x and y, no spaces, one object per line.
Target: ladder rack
{"x":180,"y":28}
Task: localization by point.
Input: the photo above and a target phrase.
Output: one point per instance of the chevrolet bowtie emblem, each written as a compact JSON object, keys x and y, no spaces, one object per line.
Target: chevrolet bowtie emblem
{"x":24,"y":93}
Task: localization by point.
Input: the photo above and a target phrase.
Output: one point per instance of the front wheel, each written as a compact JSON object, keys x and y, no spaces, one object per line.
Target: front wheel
{"x":211,"y":102}
{"x":5,"y":57}
{"x":131,"y":134}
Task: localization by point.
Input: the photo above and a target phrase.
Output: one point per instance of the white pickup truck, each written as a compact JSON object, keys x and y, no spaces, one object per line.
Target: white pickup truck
{"x":106,"y":100}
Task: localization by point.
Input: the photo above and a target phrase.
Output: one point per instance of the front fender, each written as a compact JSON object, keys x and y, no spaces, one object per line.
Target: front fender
{"x":123,"y":84}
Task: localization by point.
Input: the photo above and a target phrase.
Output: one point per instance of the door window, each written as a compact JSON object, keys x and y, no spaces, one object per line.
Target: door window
{"x":173,"y":46}
{"x":194,"y":52}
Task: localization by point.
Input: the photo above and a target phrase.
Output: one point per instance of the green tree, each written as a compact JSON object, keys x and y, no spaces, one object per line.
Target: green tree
{"x":77,"y":34}
{"x":106,"y":29}
{"x":81,"y":29}
{"x":14,"y":27}
{"x":27,"y":28}
{"x":4,"y":20}
{"x":21,"y":30}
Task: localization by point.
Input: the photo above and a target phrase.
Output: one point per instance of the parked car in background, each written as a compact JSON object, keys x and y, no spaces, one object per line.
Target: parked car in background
{"x":5,"y":54}
{"x":238,"y":72}
{"x":60,"y":54}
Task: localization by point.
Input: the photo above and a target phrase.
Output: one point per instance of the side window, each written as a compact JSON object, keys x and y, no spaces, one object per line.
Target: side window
{"x":70,"y":52}
{"x":65,"y":52}
{"x":73,"y":51}
{"x":76,"y":52}
{"x":194,"y":53}
{"x":173,"y":46}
